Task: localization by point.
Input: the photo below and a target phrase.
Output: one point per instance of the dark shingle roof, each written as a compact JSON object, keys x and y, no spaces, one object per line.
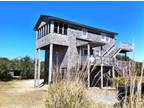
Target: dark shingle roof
{"x":72,"y":23}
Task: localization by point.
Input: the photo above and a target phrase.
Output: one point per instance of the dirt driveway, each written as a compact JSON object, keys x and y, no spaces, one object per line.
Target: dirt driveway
{"x":21,"y":94}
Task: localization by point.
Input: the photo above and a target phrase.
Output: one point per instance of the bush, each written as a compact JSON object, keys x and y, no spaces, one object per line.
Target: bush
{"x":67,"y":94}
{"x":4,"y":67}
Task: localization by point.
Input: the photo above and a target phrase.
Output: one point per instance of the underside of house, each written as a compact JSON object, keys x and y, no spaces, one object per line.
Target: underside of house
{"x":69,"y":45}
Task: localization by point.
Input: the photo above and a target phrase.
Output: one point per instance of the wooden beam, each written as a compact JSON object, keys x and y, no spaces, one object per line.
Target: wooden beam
{"x":113,"y":72}
{"x":101,"y":75}
{"x":101,"y":68}
{"x":50,"y":63}
{"x":46,"y":74}
{"x":39,"y":65}
{"x":80,"y":55}
{"x":36,"y":59}
{"x":88,"y":56}
{"x":52,"y":26}
{"x":35,"y":74}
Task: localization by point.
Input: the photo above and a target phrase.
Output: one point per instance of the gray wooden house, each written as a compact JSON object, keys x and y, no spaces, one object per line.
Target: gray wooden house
{"x":68,"y":44}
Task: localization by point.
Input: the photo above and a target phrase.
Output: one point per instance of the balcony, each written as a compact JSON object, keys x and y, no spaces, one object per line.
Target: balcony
{"x":126,"y":47}
{"x":53,"y":38}
{"x":93,"y":39}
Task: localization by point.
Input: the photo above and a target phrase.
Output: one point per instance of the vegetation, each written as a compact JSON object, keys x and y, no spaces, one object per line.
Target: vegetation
{"x":5,"y":65}
{"x":67,"y":95}
{"x":70,"y":94}
{"x":119,"y":81}
{"x":24,"y":64}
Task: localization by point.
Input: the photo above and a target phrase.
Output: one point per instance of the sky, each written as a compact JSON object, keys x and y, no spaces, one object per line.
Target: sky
{"x":17,"y":20}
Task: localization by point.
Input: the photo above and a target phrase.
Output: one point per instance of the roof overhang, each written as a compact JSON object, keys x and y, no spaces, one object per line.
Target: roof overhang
{"x":45,"y":17}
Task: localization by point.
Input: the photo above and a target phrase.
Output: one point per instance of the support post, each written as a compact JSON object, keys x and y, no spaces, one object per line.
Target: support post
{"x":35,"y":74}
{"x":125,"y":56}
{"x":88,"y":52}
{"x":52,"y":26}
{"x":113,"y":72}
{"x":80,"y":56}
{"x":39,"y":66}
{"x":46,"y":66}
{"x":101,"y":75}
{"x":50,"y":63}
{"x":101,"y":68}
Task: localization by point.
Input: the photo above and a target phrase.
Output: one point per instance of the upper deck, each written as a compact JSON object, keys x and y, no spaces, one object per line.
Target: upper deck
{"x":59,"y":31}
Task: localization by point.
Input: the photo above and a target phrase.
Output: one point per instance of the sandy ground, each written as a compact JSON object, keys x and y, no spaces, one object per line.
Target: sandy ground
{"x":22,"y":94}
{"x":103,"y":96}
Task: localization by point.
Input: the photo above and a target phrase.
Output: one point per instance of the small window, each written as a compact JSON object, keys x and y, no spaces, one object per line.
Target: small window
{"x":55,"y":27}
{"x":103,"y":36}
{"x":60,"y":28}
{"x":84,"y":33}
{"x":46,"y":29}
{"x":97,"y":53}
{"x":40,"y":32}
{"x":49,"y":27}
{"x":85,"y":51}
{"x":43,"y":28}
{"x":65,"y":29}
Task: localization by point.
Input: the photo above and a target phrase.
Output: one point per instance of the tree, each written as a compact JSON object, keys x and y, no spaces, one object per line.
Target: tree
{"x":26,"y":65}
{"x":4,"y":68}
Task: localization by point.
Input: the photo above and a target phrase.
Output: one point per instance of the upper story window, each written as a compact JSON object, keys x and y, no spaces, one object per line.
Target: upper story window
{"x":44,"y":30}
{"x":103,"y":36}
{"x":65,"y":29}
{"x":84,"y":33}
{"x":60,"y":28}
{"x":55,"y":27}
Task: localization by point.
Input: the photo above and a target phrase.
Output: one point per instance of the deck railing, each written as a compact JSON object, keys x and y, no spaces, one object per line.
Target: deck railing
{"x":127,"y":46}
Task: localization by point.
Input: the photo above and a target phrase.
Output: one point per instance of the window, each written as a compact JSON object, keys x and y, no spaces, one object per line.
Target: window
{"x":46,"y":29}
{"x":49,"y":27}
{"x":60,"y":28}
{"x":55,"y":27}
{"x":85,"y":51}
{"x":43,"y":28}
{"x":84,"y":33}
{"x":103,"y":36}
{"x":40,"y":32}
{"x":65,"y":29}
{"x":97,"y":53}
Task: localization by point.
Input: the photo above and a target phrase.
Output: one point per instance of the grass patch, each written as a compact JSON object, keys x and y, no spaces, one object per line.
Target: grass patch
{"x":66,"y":94}
{"x":70,"y":94}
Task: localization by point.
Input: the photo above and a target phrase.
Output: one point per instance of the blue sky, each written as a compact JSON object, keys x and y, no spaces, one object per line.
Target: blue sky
{"x":17,"y":20}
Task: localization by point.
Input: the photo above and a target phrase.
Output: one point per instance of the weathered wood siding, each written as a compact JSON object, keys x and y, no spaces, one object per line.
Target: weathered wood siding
{"x":53,"y":38}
